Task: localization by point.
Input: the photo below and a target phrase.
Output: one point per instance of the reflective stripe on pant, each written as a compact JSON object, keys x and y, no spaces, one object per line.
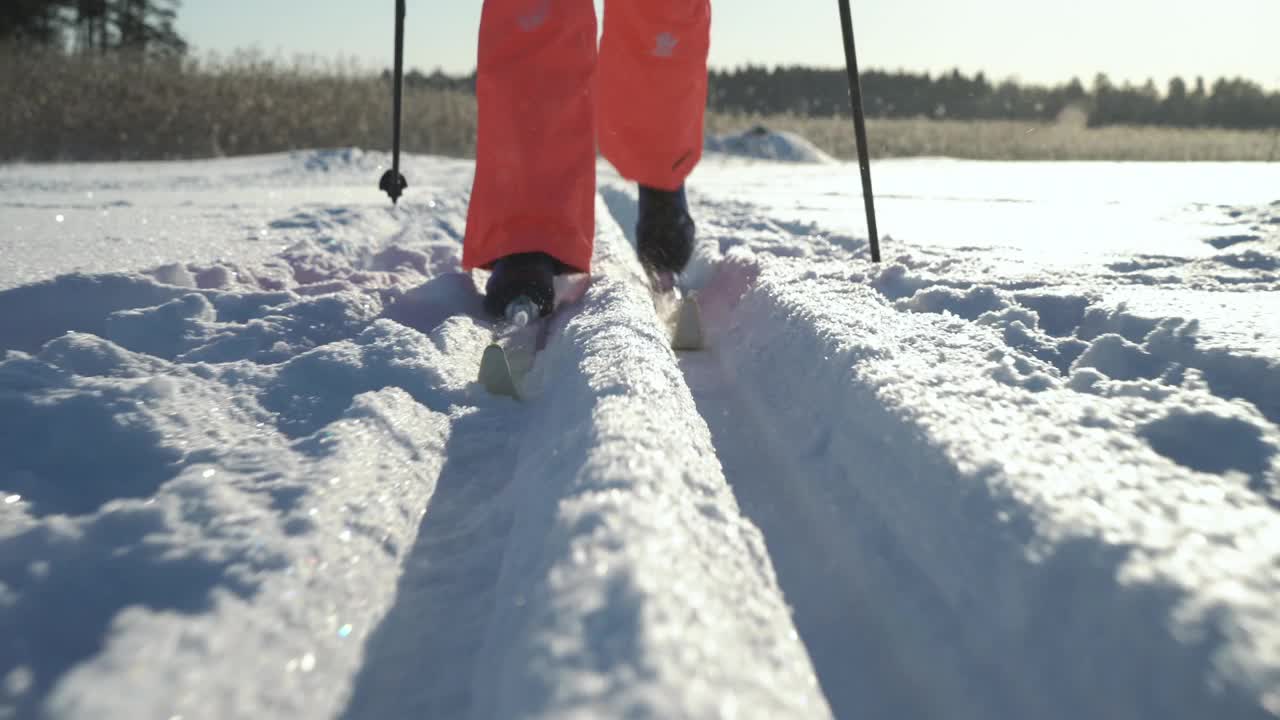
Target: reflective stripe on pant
{"x":542,"y":106}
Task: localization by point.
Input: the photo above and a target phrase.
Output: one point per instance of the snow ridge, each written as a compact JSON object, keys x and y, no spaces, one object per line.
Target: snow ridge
{"x":159,"y":499}
{"x":890,"y":457}
{"x":683,"y":618}
{"x":979,"y":569}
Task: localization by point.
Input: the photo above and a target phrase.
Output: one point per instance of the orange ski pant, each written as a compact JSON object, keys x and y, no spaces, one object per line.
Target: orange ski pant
{"x":545,"y":101}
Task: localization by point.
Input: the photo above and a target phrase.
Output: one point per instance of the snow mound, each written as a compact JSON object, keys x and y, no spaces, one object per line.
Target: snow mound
{"x":761,"y":143}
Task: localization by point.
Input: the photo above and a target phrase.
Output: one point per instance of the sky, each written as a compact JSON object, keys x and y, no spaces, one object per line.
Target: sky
{"x":1042,"y":42}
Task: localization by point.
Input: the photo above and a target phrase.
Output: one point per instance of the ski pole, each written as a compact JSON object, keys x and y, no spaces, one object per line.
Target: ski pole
{"x":859,"y":126}
{"x":393,"y":183}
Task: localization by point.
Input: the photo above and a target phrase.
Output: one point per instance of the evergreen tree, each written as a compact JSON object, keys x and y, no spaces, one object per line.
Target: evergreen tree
{"x":145,"y":26}
{"x":36,"y":22}
{"x":953,"y":95}
{"x":91,"y":24}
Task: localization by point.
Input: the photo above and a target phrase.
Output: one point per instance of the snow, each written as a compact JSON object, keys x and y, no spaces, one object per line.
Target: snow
{"x":1027,"y":467}
{"x":761,"y":143}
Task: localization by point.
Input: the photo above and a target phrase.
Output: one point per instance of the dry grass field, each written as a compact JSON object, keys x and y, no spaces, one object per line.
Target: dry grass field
{"x":1015,"y":140}
{"x":115,"y":107}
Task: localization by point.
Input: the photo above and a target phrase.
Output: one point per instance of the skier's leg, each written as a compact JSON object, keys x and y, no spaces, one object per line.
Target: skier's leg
{"x":651,"y":95}
{"x":652,"y":88}
{"x":534,"y":188}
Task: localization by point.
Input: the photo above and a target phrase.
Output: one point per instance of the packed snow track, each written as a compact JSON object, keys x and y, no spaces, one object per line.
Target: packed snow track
{"x":1027,"y":467}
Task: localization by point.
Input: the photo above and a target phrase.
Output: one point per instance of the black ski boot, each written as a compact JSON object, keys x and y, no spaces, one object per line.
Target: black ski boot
{"x":531,"y":275}
{"x":664,"y":230}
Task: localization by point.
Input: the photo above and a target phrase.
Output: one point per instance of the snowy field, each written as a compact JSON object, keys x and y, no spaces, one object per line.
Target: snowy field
{"x":1027,"y":467}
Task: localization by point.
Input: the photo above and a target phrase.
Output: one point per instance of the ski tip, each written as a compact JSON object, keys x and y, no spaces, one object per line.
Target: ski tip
{"x":495,"y":372}
{"x":688,"y":334}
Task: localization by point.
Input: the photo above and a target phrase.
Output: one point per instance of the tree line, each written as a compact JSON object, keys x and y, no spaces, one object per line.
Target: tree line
{"x":145,"y":26}
{"x":1227,"y":103}
{"x":811,"y":92}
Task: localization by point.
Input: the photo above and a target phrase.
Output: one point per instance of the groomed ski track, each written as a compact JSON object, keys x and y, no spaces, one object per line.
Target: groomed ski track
{"x":607,"y":627}
{"x":647,"y":534}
